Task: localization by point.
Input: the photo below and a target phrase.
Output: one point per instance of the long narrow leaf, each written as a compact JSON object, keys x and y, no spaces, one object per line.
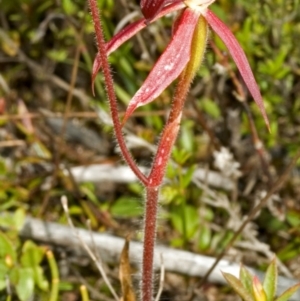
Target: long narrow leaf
{"x":239,"y":58}
{"x":237,"y":285}
{"x":288,"y":293}
{"x":258,"y":290}
{"x":246,"y":279}
{"x":270,"y":281}
{"x":169,"y":65}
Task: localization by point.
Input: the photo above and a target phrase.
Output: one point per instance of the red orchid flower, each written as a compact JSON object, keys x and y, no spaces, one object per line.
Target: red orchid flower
{"x":177,"y":54}
{"x":181,"y":59}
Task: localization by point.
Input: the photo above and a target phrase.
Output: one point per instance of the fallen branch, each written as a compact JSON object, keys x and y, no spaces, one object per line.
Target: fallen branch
{"x":123,"y":174}
{"x":110,"y":248}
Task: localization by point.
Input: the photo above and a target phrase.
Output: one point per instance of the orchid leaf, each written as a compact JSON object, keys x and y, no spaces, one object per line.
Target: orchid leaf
{"x":237,"y":285}
{"x":258,"y":290}
{"x":288,"y":293}
{"x":239,"y":58}
{"x":246,"y":279}
{"x":170,"y":64}
{"x":125,"y":34}
{"x":270,"y":281}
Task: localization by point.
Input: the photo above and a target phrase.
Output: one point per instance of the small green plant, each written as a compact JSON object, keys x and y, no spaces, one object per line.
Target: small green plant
{"x":21,"y":264}
{"x":249,"y":287}
{"x":21,"y":272}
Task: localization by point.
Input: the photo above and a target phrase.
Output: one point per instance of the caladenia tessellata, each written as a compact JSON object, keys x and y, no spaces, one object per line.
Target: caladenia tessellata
{"x":180,"y":60}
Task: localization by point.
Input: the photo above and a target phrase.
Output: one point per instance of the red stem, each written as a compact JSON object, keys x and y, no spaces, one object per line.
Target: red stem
{"x":111,"y":93}
{"x":149,"y":242}
{"x":166,"y":143}
{"x":170,"y":132}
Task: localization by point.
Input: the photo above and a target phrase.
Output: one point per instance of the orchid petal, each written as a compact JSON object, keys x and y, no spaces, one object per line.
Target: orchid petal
{"x":121,"y":37}
{"x":150,"y":8}
{"x":170,"y":64}
{"x":128,"y":32}
{"x":239,"y":58}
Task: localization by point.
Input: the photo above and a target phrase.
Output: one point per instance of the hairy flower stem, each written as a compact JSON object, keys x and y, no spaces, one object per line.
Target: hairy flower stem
{"x":167,"y":141}
{"x":165,"y":146}
{"x":149,"y":242}
{"x":111,"y":92}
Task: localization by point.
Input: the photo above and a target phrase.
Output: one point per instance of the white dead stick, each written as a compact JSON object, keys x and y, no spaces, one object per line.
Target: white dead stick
{"x":123,"y":174}
{"x":110,"y":248}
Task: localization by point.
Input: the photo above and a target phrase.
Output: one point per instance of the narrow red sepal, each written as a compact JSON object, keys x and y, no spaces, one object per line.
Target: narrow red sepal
{"x":169,"y":65}
{"x":239,"y":58}
{"x":116,"y":41}
{"x":127,"y":33}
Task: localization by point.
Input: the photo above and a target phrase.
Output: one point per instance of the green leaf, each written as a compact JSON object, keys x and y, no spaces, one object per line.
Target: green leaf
{"x":2,"y":284}
{"x":127,"y":207}
{"x":88,"y":189}
{"x":3,"y":274}
{"x":246,"y":279}
{"x":187,"y":139}
{"x":3,"y":170}
{"x":69,"y":7}
{"x":270,"y":281}
{"x":57,"y":55}
{"x":211,"y":108}
{"x":40,"y":279}
{"x":25,"y":284}
{"x":187,"y":177}
{"x":288,"y":293}
{"x":293,"y":217}
{"x":32,"y":255}
{"x":290,"y":251}
{"x":204,"y":238}
{"x":3,"y":269}
{"x":177,"y":243}
{"x":180,"y":155}
{"x":6,"y":248}
{"x":19,"y":218}
{"x":185,"y":220}
{"x":168,"y":194}
{"x":237,"y":285}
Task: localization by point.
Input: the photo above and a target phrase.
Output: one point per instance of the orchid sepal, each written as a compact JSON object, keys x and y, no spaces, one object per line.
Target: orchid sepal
{"x":128,"y":32}
{"x":170,"y":64}
{"x":238,"y":55}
